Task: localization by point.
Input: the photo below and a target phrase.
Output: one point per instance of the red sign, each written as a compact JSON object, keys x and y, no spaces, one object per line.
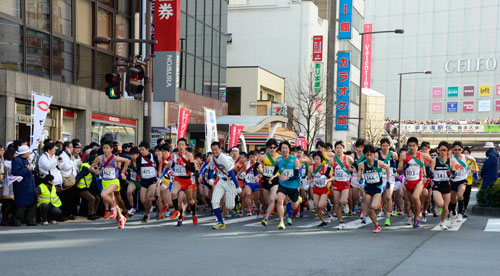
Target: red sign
{"x":367,"y":56}
{"x":184,"y":115}
{"x":498,"y":89}
{"x":167,"y":25}
{"x":468,"y":106}
{"x":317,"y":48}
{"x":301,"y":141}
{"x":112,"y":119}
{"x":234,"y":135}
{"x":44,"y":106}
{"x":497,"y":105}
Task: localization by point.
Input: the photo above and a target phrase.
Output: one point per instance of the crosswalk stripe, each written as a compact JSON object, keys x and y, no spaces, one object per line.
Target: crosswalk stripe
{"x":451,"y":227}
{"x":259,"y":222}
{"x":356,"y":224}
{"x":493,"y":225}
{"x":231,"y":221}
{"x":313,"y":224}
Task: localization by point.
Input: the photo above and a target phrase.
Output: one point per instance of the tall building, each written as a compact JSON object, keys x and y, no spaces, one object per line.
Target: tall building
{"x":459,"y":41}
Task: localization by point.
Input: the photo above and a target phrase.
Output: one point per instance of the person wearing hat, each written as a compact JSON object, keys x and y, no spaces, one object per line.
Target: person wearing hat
{"x":489,"y":172}
{"x":24,"y":191}
{"x":48,"y":201}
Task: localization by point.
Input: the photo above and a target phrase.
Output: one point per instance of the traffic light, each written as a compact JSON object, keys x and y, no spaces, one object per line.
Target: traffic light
{"x":113,"y":90}
{"x":133,"y":83}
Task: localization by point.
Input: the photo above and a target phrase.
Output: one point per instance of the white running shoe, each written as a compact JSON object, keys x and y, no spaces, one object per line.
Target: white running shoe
{"x":459,"y":218}
{"x":329,"y":219}
{"x":346,"y":209}
{"x":381,"y":214}
{"x":341,"y":226}
{"x":443,"y":227}
{"x":409,"y":221}
{"x":131,"y":212}
{"x":424,"y":219}
{"x":453,"y":219}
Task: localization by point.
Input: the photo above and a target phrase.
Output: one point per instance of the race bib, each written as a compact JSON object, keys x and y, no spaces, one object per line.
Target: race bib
{"x":340,"y":174}
{"x":441,"y":175}
{"x":148,"y":172}
{"x":250,"y":178}
{"x":413,"y":173}
{"x":460,"y":175}
{"x":371,"y":177}
{"x":288,"y":173}
{"x":319,"y":181}
{"x":109,"y":173}
{"x":268,"y":171}
{"x":133,"y":175}
{"x":180,"y":170}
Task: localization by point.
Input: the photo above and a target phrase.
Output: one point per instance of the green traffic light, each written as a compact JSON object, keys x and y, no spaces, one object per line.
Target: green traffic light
{"x":112,"y":93}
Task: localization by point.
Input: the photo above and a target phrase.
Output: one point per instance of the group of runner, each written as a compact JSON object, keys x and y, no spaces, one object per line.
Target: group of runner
{"x":286,"y":181}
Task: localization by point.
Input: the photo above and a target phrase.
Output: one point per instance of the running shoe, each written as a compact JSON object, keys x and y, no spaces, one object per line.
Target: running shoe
{"x":459,"y":218}
{"x":443,"y":227}
{"x":219,"y":226}
{"x":240,"y":214}
{"x":387,"y":222}
{"x":341,"y":226}
{"x":180,"y":220}
{"x":175,"y":214}
{"x":377,"y":229}
{"x":132,"y":211}
{"x":350,"y":213}
{"x":289,"y":221}
{"x":381,"y":214}
{"x":424,"y":219}
{"x":281,"y":226}
{"x":416,"y":224}
{"x":453,"y":219}
{"x":363,"y":220}
{"x":53,"y":222}
{"x":122,"y":221}
{"x":323,"y":224}
{"x":465,"y":215}
{"x":160,"y":216}
{"x":346,"y":209}
{"x":144,"y":219}
{"x":112,"y":214}
{"x":330,"y":219}
{"x":164,"y":209}
{"x":106,"y":214}
{"x":45,"y":223}
{"x":264,"y":222}
{"x":195,"y":220}
{"x":408,"y":220}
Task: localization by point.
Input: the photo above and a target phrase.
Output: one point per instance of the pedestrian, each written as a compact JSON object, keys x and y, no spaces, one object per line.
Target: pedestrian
{"x":48,"y":201}
{"x":489,"y":172}
{"x":7,"y":189}
{"x":24,"y":190}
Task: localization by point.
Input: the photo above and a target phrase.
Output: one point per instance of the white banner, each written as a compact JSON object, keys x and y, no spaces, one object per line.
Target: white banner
{"x":210,"y":128}
{"x":40,"y":108}
{"x":441,"y":128}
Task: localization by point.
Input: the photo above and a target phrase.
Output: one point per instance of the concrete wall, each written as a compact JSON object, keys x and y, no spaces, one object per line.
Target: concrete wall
{"x":85,"y":101}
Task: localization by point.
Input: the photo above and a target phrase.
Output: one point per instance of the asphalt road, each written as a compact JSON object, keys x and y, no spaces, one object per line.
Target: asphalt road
{"x":247,"y":248}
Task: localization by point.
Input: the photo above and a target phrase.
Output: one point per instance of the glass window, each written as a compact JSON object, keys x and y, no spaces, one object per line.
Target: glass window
{"x":183,"y":25}
{"x":200,"y":10}
{"x":84,"y":66}
{"x":104,"y":26}
{"x":198,"y":85}
{"x":11,"y":45}
{"x":216,"y":14}
{"x":223,"y":17}
{"x":37,"y":53}
{"x":103,"y":65}
{"x":124,"y":7}
{"x":190,"y":73}
{"x":61,"y":13}
{"x":215,"y":81}
{"x":122,"y":31}
{"x":223,"y":51}
{"x":83,"y":22}
{"x":357,"y":21}
{"x":222,"y":82}
{"x":354,"y":93}
{"x":62,"y":60}
{"x":11,"y":7}
{"x":209,"y":12}
{"x":109,"y":3}
{"x":183,"y":5}
{"x":215,"y":47}
{"x":121,"y":134}
{"x":183,"y":70}
{"x":207,"y":80}
{"x":191,"y":7}
{"x":191,"y":35}
{"x":199,"y":39}
{"x":37,"y":13}
{"x":355,"y":53}
{"x":208,"y":44}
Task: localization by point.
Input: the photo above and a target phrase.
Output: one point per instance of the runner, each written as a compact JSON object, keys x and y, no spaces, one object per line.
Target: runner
{"x":459,"y":182}
{"x":304,"y":188}
{"x":425,"y":147}
{"x":318,"y":177}
{"x":341,"y":164}
{"x":147,"y":169}
{"x":471,"y":177}
{"x":205,"y":189}
{"x":389,"y":158}
{"x":226,"y":186}
{"x":441,"y":171}
{"x":356,"y":188}
{"x":109,"y":172}
{"x":370,"y":172}
{"x":412,"y":163}
{"x":252,"y":177}
{"x":268,"y":162}
{"x":165,"y":198}
{"x":134,"y":180}
{"x":399,"y":192}
{"x":287,"y":169}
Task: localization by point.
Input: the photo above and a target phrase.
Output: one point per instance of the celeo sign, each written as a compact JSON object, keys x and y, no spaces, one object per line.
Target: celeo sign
{"x":167,"y":22}
{"x":470,"y":65}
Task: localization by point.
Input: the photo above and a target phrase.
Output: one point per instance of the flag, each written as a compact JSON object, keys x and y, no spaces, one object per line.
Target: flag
{"x":210,"y":128}
{"x":235,"y":134}
{"x":184,"y":115}
{"x":40,"y":109}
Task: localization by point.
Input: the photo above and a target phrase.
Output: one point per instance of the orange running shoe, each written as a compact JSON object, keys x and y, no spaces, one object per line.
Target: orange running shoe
{"x":195,"y":220}
{"x":175,"y":214}
{"x":122,"y":222}
{"x":164,"y":209}
{"x":106,"y":214}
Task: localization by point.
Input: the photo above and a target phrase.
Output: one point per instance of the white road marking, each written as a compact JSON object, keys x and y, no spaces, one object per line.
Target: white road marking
{"x":493,"y":225}
{"x":451,"y":227}
{"x":236,"y":220}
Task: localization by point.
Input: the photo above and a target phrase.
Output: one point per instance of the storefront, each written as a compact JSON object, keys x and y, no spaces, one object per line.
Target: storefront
{"x":123,"y":130}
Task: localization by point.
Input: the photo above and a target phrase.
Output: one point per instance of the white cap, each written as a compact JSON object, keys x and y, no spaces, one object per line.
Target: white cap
{"x":235,"y":149}
{"x":23,"y":150}
{"x":489,"y":145}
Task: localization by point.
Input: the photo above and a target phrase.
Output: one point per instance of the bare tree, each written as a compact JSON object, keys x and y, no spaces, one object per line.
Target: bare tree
{"x":309,"y":103}
{"x":373,"y":131}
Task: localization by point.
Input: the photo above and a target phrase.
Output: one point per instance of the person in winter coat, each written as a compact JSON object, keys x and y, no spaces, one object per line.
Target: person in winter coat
{"x":68,"y":196}
{"x":489,"y":171}
{"x":47,"y":164}
{"x":24,"y":191}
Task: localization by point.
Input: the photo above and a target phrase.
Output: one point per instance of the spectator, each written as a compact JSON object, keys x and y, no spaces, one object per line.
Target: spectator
{"x":160,"y":141}
{"x":7,"y":190}
{"x":489,"y":171}
{"x":24,"y":190}
{"x":68,"y":172}
{"x":47,"y":164}
{"x":84,"y":180}
{"x":48,"y":201}
{"x":77,"y":148}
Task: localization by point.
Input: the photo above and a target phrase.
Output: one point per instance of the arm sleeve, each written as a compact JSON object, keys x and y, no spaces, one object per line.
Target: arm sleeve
{"x":19,"y":169}
{"x":327,"y":173}
{"x":295,"y":175}
{"x":210,"y":174}
{"x":81,"y":174}
{"x":203,"y":168}
{"x":276,"y":170}
{"x":191,"y":167}
{"x":233,"y":177}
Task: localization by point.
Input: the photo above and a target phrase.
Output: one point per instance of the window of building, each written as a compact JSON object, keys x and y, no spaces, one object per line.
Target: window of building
{"x":233,"y":99}
{"x":62,"y":60}
{"x":200,"y":10}
{"x":355,"y":53}
{"x":209,"y":12}
{"x":83,"y":22}
{"x":11,"y":45}
{"x":61,"y":14}
{"x":207,"y":83}
{"x":270,"y":97}
{"x":199,"y":39}
{"x":215,"y":81}
{"x":11,"y":7}
{"x":190,"y":72}
{"x":354,"y":93}
{"x":216,"y":13}
{"x":208,"y":44}
{"x":222,"y":82}
{"x":191,"y":5}
{"x":215,"y":47}
{"x":83,"y":66}
{"x":37,"y":14}
{"x":122,"y":31}
{"x":183,"y":25}
{"x":109,"y":3}
{"x":198,"y":84}
{"x":104,"y":26}
{"x":124,"y":6}
{"x":191,"y":35}
{"x":357,"y":21}
{"x":103,"y":65}
{"x":38,"y":53}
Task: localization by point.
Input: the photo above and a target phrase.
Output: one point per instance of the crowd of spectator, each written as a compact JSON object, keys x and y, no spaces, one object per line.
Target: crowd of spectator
{"x":449,"y":122}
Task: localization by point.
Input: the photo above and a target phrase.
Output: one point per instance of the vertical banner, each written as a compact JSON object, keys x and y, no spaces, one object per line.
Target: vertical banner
{"x":182,"y":126}
{"x":367,"y":56}
{"x":437,"y":92}
{"x":301,"y":141}
{"x":234,"y":135}
{"x":41,"y":107}
{"x":343,"y":71}
{"x":345,"y":18}
{"x":318,"y":48}
{"x":167,"y":22}
{"x":210,"y":128}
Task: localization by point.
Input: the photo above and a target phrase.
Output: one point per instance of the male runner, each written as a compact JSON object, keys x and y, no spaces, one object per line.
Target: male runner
{"x":342,"y":174}
{"x":318,"y":177}
{"x":270,"y":187}
{"x":459,"y":182}
{"x":252,"y":177}
{"x":425,"y":147}
{"x":356,"y":188}
{"x":389,"y":158}
{"x":147,"y":169}
{"x":134,"y":179}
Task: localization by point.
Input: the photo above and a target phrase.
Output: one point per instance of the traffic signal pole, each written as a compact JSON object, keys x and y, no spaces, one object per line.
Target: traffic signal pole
{"x":148,"y":86}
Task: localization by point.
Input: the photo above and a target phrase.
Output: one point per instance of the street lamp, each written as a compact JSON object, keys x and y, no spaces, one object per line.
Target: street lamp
{"x":400,"y":86}
{"x":396,"y":31}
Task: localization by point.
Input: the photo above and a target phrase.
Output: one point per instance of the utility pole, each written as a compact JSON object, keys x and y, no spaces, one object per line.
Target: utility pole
{"x":148,"y":87}
{"x":330,"y":79}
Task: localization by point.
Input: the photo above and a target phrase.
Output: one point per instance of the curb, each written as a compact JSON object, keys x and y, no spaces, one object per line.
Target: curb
{"x":485,"y":211}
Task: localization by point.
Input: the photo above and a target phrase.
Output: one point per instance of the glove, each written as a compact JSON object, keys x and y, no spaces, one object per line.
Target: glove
{"x":211,"y":182}
{"x":387,"y":185}
{"x":361,"y":181}
{"x":453,"y":174}
{"x":239,"y":190}
{"x":431,"y":175}
{"x":474,"y":176}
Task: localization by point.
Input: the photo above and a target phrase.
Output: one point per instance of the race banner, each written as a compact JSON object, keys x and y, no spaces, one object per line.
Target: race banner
{"x":234,"y":135}
{"x":210,"y":128}
{"x":182,"y":126}
{"x":41,"y":107}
